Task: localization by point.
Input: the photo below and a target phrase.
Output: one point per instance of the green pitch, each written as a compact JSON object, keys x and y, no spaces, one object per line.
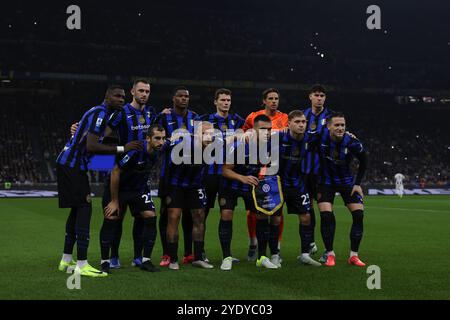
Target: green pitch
{"x":407,"y":238}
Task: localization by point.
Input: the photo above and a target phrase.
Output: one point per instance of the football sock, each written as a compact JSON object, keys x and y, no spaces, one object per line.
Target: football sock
{"x":70,"y":237}
{"x":81,"y":263}
{"x":273,"y":238}
{"x":163,"y":229}
{"x":327,"y":228}
{"x":225,"y":235}
{"x":280,"y":232}
{"x":251,"y":226}
{"x":198,"y":246}
{"x":262,"y":234}
{"x":187,"y":224}
{"x":82,"y":226}
{"x":305,"y":237}
{"x":356,"y":231}
{"x":148,"y":235}
{"x":66,"y":257}
{"x":117,"y":237}
{"x":106,"y":237}
{"x":172,"y":247}
{"x":138,"y":229}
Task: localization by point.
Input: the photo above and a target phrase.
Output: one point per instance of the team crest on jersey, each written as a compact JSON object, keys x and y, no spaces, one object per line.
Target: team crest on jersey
{"x":99,"y":122}
{"x":279,"y":124}
{"x":222,"y":201}
{"x":224,"y":127}
{"x":141,"y":120}
{"x":313,"y":126}
{"x":324,"y":121}
{"x":232,"y":123}
{"x":345,"y":150}
{"x":306,"y":146}
{"x":192,"y":122}
{"x":295,"y":152}
{"x":183,"y":126}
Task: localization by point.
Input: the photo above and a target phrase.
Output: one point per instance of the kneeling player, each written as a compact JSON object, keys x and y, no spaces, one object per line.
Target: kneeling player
{"x":239,"y":180}
{"x":294,"y":145}
{"x":129,"y":187}
{"x":337,"y":151}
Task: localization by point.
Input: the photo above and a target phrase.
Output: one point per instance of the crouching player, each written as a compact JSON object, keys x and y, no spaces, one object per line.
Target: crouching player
{"x":293,"y":147}
{"x":337,"y":151}
{"x":129,"y":186}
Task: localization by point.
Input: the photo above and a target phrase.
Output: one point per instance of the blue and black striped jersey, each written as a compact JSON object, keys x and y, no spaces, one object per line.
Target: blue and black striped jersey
{"x":171,"y":122}
{"x":336,"y":158}
{"x":136,"y":167}
{"x":316,"y":123}
{"x":291,"y":153}
{"x":243,"y":165}
{"x":187,"y":174}
{"x":131,"y":123}
{"x":75,"y":153}
{"x":227,"y":126}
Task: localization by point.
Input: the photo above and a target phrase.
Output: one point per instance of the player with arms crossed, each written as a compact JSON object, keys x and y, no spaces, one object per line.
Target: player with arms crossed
{"x":337,"y":151}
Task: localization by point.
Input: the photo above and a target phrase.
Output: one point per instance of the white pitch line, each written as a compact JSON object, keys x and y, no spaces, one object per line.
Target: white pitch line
{"x":404,"y":209}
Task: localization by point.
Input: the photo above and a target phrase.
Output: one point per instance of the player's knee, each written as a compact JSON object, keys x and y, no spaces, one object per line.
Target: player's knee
{"x":226,"y":215}
{"x":305,"y":219}
{"x":148,"y":214}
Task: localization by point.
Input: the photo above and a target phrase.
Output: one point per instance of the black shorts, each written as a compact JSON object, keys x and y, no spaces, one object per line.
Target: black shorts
{"x":73,"y":187}
{"x":297,"y":202}
{"x":327,"y":193}
{"x":185,"y":198}
{"x":228,"y":199}
{"x":311,"y":182}
{"x":212,"y":184}
{"x":137,"y":201}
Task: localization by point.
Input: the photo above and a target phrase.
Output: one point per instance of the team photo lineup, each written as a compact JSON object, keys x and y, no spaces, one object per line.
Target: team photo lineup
{"x":315,"y":157}
{"x":200,"y":152}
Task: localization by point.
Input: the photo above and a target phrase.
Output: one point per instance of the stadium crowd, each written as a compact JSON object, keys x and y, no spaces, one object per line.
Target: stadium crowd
{"x":32,"y":138}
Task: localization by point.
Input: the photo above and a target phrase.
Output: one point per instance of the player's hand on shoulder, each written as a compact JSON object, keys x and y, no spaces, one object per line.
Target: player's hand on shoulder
{"x":133,"y":145}
{"x":351,"y":135}
{"x":73,"y":128}
{"x":358,"y":189}
{"x":251,"y":180}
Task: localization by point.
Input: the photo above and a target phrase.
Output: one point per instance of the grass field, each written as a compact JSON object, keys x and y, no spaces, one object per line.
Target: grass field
{"x":407,"y":238}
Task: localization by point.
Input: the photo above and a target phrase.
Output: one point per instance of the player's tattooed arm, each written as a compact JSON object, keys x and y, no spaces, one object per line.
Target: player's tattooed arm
{"x":112,"y":208}
{"x":229,"y":173}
